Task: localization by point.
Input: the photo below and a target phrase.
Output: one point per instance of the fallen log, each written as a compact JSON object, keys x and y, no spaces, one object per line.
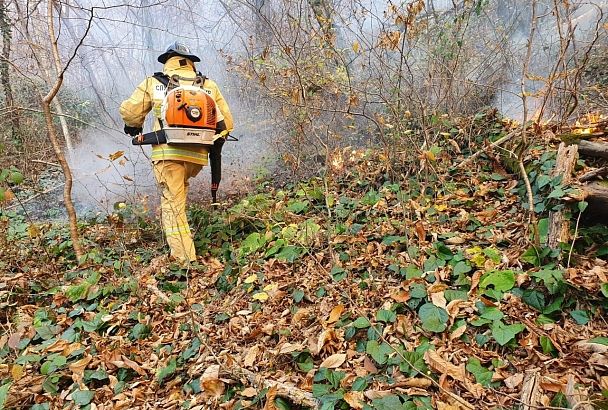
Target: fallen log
{"x":594,"y":174}
{"x":593,"y":149}
{"x":559,"y":229}
{"x":596,"y":195}
{"x":593,"y":192}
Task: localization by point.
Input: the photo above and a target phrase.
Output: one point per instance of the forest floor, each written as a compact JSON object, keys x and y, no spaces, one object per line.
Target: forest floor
{"x":367,"y":288}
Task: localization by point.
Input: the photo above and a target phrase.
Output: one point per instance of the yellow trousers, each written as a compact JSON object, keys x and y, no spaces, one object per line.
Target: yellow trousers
{"x":172,"y":178}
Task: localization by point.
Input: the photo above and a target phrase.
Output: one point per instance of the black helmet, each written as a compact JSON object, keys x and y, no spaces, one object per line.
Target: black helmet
{"x":177,"y":49}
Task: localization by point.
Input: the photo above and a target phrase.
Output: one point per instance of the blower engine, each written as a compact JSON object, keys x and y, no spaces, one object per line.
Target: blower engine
{"x":188,"y":116}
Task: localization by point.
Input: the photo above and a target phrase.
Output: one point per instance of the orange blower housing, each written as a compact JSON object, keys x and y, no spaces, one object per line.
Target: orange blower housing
{"x":189,"y":107}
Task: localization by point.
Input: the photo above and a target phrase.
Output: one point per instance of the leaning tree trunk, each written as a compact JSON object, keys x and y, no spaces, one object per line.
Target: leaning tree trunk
{"x":5,"y":29}
{"x":48,"y":115}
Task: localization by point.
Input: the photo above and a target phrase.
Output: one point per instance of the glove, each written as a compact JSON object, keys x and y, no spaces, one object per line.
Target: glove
{"x":218,"y":144}
{"x":133,"y":131}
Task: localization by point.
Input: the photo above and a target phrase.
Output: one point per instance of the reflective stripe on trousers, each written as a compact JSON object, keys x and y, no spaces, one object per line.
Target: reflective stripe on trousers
{"x":172,"y":178}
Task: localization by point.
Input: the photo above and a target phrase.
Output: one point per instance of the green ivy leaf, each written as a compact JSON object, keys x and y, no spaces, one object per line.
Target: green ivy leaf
{"x":531,"y":256}
{"x":503,"y":333}
{"x":547,"y":345}
{"x":434,"y":318}
{"x":413,"y":363}
{"x":221,"y":317}
{"x":192,"y":350}
{"x":139,"y":331}
{"x":360,"y":384}
{"x":491,"y":313}
{"x":320,"y":390}
{"x":53,"y":363}
{"x":290,"y":253}
{"x":461,"y":268}
{"x":534,"y":299}
{"x":337,"y":273}
{"x":482,"y":375}
{"x":557,"y":193}
{"x":581,"y":317}
{"x":417,"y":291}
{"x":501,"y":280}
{"x":167,"y":371}
{"x":387,"y":403}
{"x":552,"y":279}
{"x":543,"y":180}
{"x":77,"y":292}
{"x":282,"y":404}
{"x":582,"y":206}
{"x":386,"y":316}
{"x":276,"y":247}
{"x":298,"y":295}
{"x":604,"y":289}
{"x":298,"y":206}
{"x":361,"y":323}
{"x":599,"y":340}
{"x":4,"y":394}
{"x":389,"y":240}
{"x":83,"y":397}
{"x":378,"y":352}
{"x":252,"y":243}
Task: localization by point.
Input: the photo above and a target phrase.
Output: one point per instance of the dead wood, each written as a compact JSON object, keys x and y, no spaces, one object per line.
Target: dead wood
{"x":492,"y":145}
{"x":530,"y":391}
{"x":594,"y":174}
{"x":288,"y":391}
{"x":593,"y":149}
{"x":593,"y":192}
{"x":559,"y":231}
{"x":577,"y":397}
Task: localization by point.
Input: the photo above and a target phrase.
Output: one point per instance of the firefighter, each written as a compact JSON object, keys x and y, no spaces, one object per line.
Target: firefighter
{"x":173,"y":165}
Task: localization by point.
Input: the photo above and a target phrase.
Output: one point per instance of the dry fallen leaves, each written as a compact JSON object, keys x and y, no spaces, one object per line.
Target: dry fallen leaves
{"x":334,"y":361}
{"x":335,"y":314}
{"x":354,"y":399}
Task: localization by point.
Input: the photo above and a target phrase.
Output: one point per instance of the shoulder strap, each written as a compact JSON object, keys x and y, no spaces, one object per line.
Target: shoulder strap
{"x":162,"y":78}
{"x":200,"y":79}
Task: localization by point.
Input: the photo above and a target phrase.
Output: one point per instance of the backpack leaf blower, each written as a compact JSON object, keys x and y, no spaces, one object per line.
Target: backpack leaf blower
{"x":189,"y":116}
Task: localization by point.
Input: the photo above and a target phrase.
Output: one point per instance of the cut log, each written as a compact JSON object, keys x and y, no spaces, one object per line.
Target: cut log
{"x":593,"y":149}
{"x":559,"y":230}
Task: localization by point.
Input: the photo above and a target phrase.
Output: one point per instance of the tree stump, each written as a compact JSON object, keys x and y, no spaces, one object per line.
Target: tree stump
{"x":559,"y":230}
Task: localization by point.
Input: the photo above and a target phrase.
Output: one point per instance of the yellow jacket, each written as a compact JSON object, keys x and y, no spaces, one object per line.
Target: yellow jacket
{"x":148,"y":96}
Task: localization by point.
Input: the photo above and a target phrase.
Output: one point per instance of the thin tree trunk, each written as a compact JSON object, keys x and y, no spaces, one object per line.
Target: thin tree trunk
{"x":48,"y":74}
{"x":69,"y":144}
{"x":5,"y":28}
{"x":46,"y":108}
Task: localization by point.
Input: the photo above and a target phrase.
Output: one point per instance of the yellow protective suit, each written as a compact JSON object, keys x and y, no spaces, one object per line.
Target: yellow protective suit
{"x":173,"y":164}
